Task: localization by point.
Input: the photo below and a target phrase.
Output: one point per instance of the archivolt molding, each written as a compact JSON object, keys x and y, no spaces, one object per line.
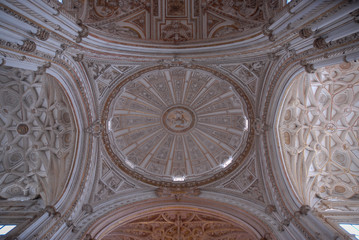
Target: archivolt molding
{"x":288,"y":66}
{"x":118,"y":199}
{"x":83,"y":222}
{"x":47,"y":104}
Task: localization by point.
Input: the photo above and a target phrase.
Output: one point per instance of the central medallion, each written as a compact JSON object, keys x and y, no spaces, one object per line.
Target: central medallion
{"x":178,"y":119}
{"x":177,"y":126}
{"x":22,"y":129}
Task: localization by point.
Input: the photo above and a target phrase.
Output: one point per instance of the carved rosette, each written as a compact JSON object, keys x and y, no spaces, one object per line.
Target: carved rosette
{"x":305,"y":32}
{"x":320,"y":43}
{"x":177,"y":126}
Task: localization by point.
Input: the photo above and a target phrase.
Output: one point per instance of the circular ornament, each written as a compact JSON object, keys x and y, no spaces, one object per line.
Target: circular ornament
{"x":22,"y":129}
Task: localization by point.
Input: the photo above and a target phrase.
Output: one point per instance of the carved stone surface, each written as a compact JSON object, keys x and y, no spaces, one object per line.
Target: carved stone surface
{"x":178,"y":193}
{"x":249,"y":73}
{"x":42,"y":34}
{"x":28,"y":46}
{"x":320,"y":43}
{"x":318,"y":130}
{"x":104,"y":75}
{"x":246,"y":182}
{"x":37,"y":136}
{"x":177,"y":124}
{"x":109,"y":184}
{"x":181,"y":224}
{"x":305,"y":33}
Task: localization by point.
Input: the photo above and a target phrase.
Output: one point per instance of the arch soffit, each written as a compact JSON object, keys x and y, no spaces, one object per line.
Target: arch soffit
{"x":45,"y":91}
{"x":271,"y":113}
{"x":325,"y":103}
{"x":279,"y":78}
{"x":123,"y":215}
{"x":68,"y":80}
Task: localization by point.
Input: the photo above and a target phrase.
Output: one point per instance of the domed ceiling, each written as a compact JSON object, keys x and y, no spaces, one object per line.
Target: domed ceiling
{"x":177,"y":125}
{"x":175,"y":21}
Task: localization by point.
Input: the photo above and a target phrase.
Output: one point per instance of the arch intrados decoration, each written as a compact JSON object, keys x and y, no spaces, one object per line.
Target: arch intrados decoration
{"x":46,"y":122}
{"x":239,"y":219}
{"x":315,"y":128}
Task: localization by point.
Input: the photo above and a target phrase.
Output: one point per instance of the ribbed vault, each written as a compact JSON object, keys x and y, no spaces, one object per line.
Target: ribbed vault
{"x":318,"y":131}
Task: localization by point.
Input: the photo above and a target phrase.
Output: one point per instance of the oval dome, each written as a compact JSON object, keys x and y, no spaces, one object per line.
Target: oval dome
{"x":177,"y":125}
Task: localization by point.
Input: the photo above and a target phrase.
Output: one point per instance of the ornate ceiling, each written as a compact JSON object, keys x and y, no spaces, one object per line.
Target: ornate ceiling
{"x":38,"y":136}
{"x":318,"y":132}
{"x":188,"y":119}
{"x":177,"y":125}
{"x":175,"y":21}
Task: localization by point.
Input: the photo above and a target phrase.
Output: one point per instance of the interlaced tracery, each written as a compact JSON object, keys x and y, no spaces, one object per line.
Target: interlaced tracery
{"x":319,"y":130}
{"x":37,"y":136}
{"x":179,"y":225}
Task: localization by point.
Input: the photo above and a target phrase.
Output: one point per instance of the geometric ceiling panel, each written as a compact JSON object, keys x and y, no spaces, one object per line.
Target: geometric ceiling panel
{"x":318,"y":129}
{"x":37,"y":136}
{"x":176,"y":21}
{"x":177,"y":125}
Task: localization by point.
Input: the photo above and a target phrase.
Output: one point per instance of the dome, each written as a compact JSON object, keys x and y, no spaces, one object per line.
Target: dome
{"x":177,"y":126}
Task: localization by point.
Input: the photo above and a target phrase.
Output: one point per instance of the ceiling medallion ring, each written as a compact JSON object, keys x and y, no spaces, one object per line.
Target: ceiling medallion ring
{"x":179,"y":119}
{"x":172,"y":121}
